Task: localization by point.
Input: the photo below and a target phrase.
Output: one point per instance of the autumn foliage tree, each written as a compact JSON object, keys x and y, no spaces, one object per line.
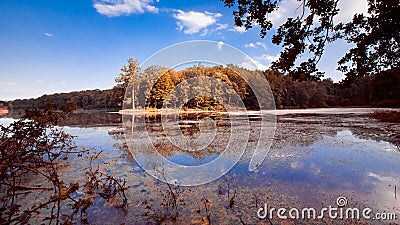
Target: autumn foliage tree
{"x":126,"y":77}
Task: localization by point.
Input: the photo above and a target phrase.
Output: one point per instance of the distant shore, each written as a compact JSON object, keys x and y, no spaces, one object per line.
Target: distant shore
{"x":335,"y":110}
{"x":163,"y":111}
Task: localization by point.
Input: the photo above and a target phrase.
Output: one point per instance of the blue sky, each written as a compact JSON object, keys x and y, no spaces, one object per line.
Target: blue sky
{"x":50,"y":46}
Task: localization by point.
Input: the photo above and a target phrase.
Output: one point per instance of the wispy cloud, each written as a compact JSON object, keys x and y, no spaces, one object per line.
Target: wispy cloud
{"x":113,"y":8}
{"x":221,"y":26}
{"x":192,"y":22}
{"x":256,"y":45}
{"x":8,"y":84}
{"x":48,"y":34}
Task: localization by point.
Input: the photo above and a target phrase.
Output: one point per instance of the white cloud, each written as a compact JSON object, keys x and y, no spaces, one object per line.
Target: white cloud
{"x":252,"y":64}
{"x":349,"y":8}
{"x":267,"y":59}
{"x":256,"y":45}
{"x":289,"y":8}
{"x":124,"y":7}
{"x":263,"y":45}
{"x":48,"y":34}
{"x":238,"y":29}
{"x":250,"y":45}
{"x":219,"y":45}
{"x":193,"y":22}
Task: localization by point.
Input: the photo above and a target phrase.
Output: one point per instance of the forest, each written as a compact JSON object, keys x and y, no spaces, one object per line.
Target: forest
{"x":378,"y":90}
{"x":86,"y":100}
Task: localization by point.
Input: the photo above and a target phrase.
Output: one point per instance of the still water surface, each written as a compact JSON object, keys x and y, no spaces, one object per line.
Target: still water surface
{"x":316,"y":157}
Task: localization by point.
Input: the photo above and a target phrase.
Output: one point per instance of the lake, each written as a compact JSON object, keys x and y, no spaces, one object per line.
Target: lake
{"x":316,"y":156}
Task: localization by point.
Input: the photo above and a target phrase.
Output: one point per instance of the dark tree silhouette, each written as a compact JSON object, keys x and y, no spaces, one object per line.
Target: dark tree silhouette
{"x":376,"y":38}
{"x":375,"y":35}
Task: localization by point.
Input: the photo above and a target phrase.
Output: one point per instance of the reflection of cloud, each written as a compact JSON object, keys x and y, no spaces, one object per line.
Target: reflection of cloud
{"x":219,"y":45}
{"x":296,"y":165}
{"x":193,"y":22}
{"x":48,"y":34}
{"x":315,"y":169}
{"x":381,"y":178}
{"x":123,"y":7}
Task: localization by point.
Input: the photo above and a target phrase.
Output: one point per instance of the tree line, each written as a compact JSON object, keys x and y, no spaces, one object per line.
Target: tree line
{"x":289,"y":91}
{"x":377,"y":90}
{"x":85,"y":100}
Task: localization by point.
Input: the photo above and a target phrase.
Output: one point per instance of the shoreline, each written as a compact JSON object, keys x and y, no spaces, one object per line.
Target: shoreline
{"x":335,"y":110}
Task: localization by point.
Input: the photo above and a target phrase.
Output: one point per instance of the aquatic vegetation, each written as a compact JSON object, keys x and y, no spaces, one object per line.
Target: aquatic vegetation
{"x":33,"y":151}
{"x":387,"y":116}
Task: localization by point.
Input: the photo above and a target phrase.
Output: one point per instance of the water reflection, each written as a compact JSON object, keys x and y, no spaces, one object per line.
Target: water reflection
{"x":83,"y":119}
{"x":331,"y":155}
{"x":314,"y":159}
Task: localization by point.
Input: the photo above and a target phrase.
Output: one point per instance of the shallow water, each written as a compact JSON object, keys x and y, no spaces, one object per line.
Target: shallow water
{"x":316,"y":157}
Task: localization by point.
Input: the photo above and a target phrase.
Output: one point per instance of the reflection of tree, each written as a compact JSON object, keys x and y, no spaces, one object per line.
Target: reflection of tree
{"x":91,"y":119}
{"x":303,"y":130}
{"x":292,"y":130}
{"x":189,"y":126}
